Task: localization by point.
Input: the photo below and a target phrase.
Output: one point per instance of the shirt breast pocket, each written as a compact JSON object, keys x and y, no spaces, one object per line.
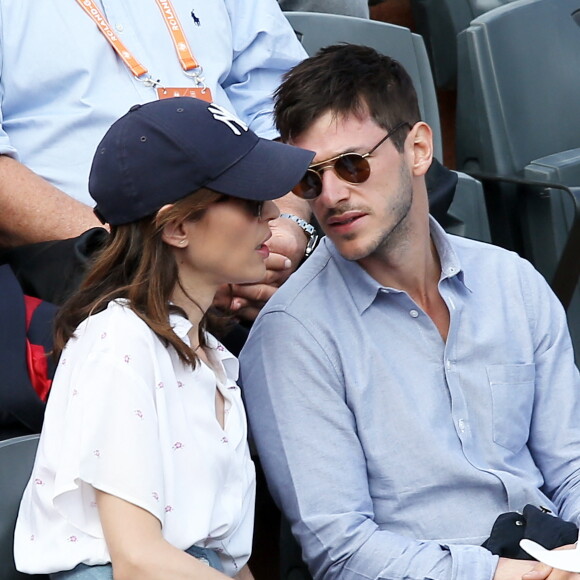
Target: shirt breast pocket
{"x":512,"y":392}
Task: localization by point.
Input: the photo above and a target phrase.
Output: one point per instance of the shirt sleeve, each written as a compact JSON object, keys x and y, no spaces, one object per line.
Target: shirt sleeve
{"x":555,"y":429}
{"x":306,"y":437}
{"x":6,"y":147}
{"x":111,"y":435}
{"x":265,"y":47}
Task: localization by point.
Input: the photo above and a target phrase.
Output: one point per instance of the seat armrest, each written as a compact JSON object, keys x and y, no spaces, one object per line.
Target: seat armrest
{"x":561,"y":167}
{"x":567,"y":272}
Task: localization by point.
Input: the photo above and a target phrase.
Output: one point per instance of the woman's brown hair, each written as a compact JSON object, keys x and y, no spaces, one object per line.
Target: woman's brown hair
{"x":137,"y":265}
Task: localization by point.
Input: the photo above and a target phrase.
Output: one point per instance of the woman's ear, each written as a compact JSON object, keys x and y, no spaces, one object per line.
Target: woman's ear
{"x":422,"y":148}
{"x":174,"y":234}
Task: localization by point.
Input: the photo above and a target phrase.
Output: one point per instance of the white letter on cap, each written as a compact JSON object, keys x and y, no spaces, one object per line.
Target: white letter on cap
{"x":223,"y":115}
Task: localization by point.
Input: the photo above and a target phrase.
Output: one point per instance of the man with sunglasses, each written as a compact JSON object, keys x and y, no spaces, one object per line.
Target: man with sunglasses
{"x":405,"y":387}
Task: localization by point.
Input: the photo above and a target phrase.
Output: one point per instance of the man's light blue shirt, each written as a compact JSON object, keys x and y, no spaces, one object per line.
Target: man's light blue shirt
{"x":62,"y":85}
{"x":391,"y":451}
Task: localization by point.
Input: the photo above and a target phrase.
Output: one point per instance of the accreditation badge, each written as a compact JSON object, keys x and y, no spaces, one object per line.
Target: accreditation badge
{"x":202,"y":93}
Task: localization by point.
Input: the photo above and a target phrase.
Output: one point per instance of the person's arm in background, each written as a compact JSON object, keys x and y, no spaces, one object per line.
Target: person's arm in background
{"x":265,"y":47}
{"x":32,"y":210}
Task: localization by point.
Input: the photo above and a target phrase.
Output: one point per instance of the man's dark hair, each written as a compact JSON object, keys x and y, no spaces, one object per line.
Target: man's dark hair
{"x":346,"y":79}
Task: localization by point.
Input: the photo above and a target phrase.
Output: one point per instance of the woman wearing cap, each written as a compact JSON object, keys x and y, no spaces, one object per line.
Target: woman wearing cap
{"x":143,"y":469}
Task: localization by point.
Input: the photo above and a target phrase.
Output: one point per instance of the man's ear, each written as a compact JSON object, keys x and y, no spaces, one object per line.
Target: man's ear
{"x":174,"y":232}
{"x":421,"y":142}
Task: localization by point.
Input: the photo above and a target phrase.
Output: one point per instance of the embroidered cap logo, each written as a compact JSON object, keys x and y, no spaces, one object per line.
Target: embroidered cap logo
{"x":223,"y":115}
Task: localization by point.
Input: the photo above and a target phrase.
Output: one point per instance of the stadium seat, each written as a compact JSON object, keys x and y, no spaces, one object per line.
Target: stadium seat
{"x":518,"y":129}
{"x":16,"y":461}
{"x":439,"y":22}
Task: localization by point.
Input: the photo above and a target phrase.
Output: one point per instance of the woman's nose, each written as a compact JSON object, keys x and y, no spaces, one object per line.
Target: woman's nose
{"x":270,"y":211}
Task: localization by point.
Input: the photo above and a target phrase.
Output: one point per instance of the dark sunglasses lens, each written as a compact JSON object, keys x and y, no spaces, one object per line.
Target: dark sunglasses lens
{"x":309,"y":186}
{"x":353,"y":168}
{"x":254,"y":207}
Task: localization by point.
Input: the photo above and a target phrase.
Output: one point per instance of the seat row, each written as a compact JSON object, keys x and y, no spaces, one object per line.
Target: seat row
{"x":518,"y":124}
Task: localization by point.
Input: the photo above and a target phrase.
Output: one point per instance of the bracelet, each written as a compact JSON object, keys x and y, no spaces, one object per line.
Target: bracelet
{"x":307,"y":228}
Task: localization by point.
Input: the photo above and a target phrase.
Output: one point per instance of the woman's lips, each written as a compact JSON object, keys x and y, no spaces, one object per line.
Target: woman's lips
{"x":263,"y":250}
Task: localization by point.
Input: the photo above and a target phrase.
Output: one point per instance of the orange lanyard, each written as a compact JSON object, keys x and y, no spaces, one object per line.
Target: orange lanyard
{"x":188,"y":62}
{"x":184,"y":53}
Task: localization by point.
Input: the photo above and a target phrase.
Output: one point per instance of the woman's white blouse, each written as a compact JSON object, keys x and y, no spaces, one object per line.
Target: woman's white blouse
{"x":127,"y":417}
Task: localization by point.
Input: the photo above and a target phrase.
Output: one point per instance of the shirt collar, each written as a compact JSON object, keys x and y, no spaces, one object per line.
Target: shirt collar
{"x":364,"y":288}
{"x":450,"y":264}
{"x":221,"y":353}
{"x":181,"y":326}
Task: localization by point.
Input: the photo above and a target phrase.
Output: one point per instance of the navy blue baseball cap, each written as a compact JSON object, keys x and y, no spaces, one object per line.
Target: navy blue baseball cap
{"x":162,"y":151}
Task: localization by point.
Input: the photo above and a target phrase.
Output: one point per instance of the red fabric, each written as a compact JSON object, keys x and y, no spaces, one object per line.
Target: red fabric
{"x":36,"y":361}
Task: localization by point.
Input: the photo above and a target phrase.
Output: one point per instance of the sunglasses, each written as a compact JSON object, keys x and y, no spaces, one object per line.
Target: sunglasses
{"x":350,"y":167}
{"x":252,"y":206}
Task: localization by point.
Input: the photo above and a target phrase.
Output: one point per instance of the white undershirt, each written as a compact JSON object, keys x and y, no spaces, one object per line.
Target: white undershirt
{"x":127,"y":417}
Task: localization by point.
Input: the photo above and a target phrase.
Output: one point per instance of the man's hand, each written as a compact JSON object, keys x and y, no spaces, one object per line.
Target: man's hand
{"x":287,"y":246}
{"x":246,"y":300}
{"x":542,"y":571}
{"x":288,"y":240}
{"x":508,"y":569}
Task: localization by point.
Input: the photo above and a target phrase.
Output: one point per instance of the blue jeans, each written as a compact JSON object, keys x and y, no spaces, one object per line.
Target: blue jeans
{"x":105,"y":572}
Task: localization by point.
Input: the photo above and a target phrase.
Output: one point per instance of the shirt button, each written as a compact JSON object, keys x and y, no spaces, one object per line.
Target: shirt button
{"x":119,"y":27}
{"x":461,"y":424}
{"x":413,"y":313}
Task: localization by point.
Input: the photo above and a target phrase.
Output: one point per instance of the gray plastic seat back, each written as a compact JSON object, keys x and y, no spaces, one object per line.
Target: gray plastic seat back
{"x":518,"y":116}
{"x":479,"y":7}
{"x":519,"y":85}
{"x":16,"y":461}
{"x":439,"y":22}
{"x":467,"y":214}
{"x":518,"y":113}
{"x":316,"y":31}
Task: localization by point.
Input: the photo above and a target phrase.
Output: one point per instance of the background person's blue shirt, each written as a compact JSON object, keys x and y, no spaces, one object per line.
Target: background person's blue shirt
{"x":62,"y":85}
{"x":393,"y":452}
